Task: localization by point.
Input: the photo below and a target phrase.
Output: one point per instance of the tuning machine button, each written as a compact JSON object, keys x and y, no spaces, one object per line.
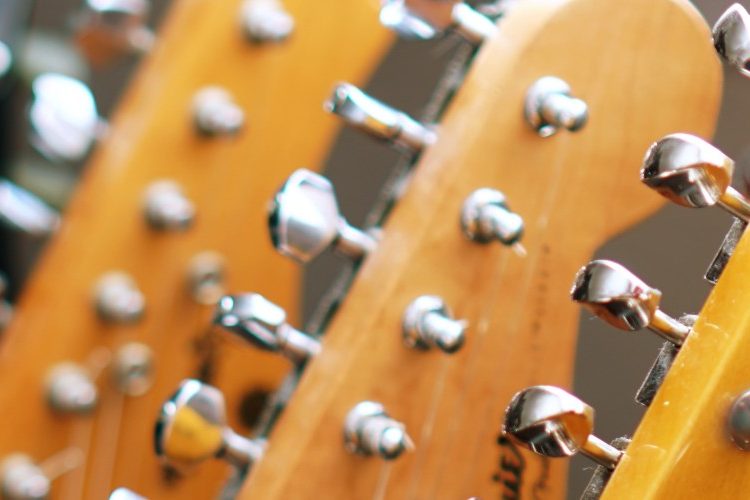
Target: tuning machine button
{"x":368,"y":430}
{"x":620,"y":298}
{"x":266,"y":21}
{"x":731,"y":35}
{"x":304,"y":220}
{"x":427,"y":323}
{"x":549,"y":107}
{"x":23,"y":211}
{"x":263,"y":324}
{"x":166,"y":207}
{"x":192,"y":428}
{"x":71,"y":389}
{"x":553,"y":423}
{"x":118,"y":299}
{"x":486,"y":217}
{"x":691,"y":172}
{"x":423,"y":20}
{"x":378,"y":120}
{"x":215,"y":112}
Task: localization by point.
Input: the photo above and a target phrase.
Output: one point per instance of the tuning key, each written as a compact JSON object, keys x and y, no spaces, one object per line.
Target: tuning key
{"x":691,"y":172}
{"x":549,"y":107}
{"x":215,"y":112}
{"x":368,"y":430}
{"x":262,"y":323}
{"x":166,"y":208}
{"x":304,"y":220}
{"x":425,"y":19}
{"x":732,"y":38}
{"x":486,"y":217}
{"x":192,"y":428}
{"x":266,"y":21}
{"x":620,"y":298}
{"x":427,"y":323}
{"x":553,"y":423}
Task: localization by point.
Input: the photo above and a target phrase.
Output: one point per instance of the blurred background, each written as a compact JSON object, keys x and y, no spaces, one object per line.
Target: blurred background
{"x":671,"y":251}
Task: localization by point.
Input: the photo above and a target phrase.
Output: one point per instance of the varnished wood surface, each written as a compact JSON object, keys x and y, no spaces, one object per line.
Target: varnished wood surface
{"x":281,"y":87}
{"x":646,"y":68}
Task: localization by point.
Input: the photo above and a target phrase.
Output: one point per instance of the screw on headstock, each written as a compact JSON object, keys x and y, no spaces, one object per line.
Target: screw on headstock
{"x":117,"y":298}
{"x":738,"y":421}
{"x":731,"y":35}
{"x":691,"y":172}
{"x":368,"y":430}
{"x":428,"y":323}
{"x":378,"y":120}
{"x":166,"y":208}
{"x":263,"y":324}
{"x":620,"y":298}
{"x":486,"y":217}
{"x":423,"y":20}
{"x":216,"y":113}
{"x":266,"y":21}
{"x":553,"y":423}
{"x":304,"y":220}
{"x":23,"y":211}
{"x":192,"y":428}
{"x":550,"y":106}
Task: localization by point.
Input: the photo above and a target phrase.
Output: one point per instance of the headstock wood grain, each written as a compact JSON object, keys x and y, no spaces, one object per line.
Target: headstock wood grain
{"x":229,"y":180}
{"x":644,"y":67}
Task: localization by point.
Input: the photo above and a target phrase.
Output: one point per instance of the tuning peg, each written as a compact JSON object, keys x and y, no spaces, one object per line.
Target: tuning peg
{"x":691,"y":172}
{"x":486,"y":217}
{"x":427,"y":323}
{"x":118,"y":299}
{"x":23,"y":479}
{"x":215,"y":112}
{"x":63,"y":117}
{"x":377,"y":119}
{"x":266,"y":21}
{"x":549,"y":106}
{"x":304,"y":220}
{"x":732,"y":38}
{"x":425,"y":19}
{"x":23,"y":211}
{"x":553,"y":423}
{"x":71,"y":389}
{"x":368,"y":430}
{"x":192,"y":428}
{"x":262,"y":323}
{"x":620,"y":298}
{"x":109,"y":29}
{"x":125,"y":494}
{"x":166,"y":208}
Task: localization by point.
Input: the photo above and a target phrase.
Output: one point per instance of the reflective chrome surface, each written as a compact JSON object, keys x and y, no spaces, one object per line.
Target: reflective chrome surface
{"x":166,"y":207}
{"x":550,"y":106}
{"x":22,"y":479}
{"x":23,"y":211}
{"x":215,"y":112}
{"x":486,"y":217}
{"x":425,"y":19}
{"x":262,"y":323}
{"x":368,"y":430}
{"x":118,"y":299}
{"x":732,"y":38}
{"x":266,"y":21}
{"x":428,"y":322}
{"x":70,"y":389}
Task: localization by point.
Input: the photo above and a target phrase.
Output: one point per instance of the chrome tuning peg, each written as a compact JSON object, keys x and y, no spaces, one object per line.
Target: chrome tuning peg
{"x":304,"y":220}
{"x":71,"y":389}
{"x":262,"y":323}
{"x":109,"y":29}
{"x":425,"y":19}
{"x":378,"y":120}
{"x":125,"y":494}
{"x":549,"y":107}
{"x":486,"y":217}
{"x":553,"y":423}
{"x":368,"y":430}
{"x":215,"y":112}
{"x":731,"y":35}
{"x":620,"y":298}
{"x":691,"y":172}
{"x":63,"y":117}
{"x":427,"y":323}
{"x":192,"y":428}
{"x":166,"y":208}
{"x":266,"y":21}
{"x":23,"y":211}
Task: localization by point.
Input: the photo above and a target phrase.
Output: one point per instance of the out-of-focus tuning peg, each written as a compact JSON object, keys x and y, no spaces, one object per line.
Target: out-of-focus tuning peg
{"x":304,"y":220}
{"x":377,"y":119}
{"x":262,"y":323}
{"x":554,"y":423}
{"x":166,"y":207}
{"x":192,"y":428}
{"x":691,"y":172}
{"x":109,"y":29}
{"x":63,"y":117}
{"x":486,"y":217}
{"x":368,"y":430}
{"x":215,"y":112}
{"x":23,"y":211}
{"x":428,"y":323}
{"x":425,"y":19}
{"x":620,"y":298}
{"x":23,"y":479}
{"x":125,"y":494}
{"x":732,"y":38}
{"x":266,"y":21}
{"x":550,"y":106}
{"x":118,"y":299}
{"x":71,"y":389}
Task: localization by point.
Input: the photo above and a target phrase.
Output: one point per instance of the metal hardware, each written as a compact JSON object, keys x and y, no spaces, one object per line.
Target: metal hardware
{"x":23,"y":211}
{"x":620,"y":298}
{"x":691,"y":172}
{"x":125,"y":494}
{"x":22,"y":479}
{"x":304,"y":220}
{"x":118,"y":299}
{"x":192,"y":428}
{"x":549,"y":107}
{"x":425,"y":20}
{"x":738,"y":421}
{"x":368,"y":430}
{"x":206,"y":277}
{"x":552,"y":422}
{"x":166,"y":207}
{"x":378,"y":120}
{"x":263,"y":324}
{"x":601,"y":475}
{"x":726,"y":250}
{"x":427,"y":322}
{"x":71,"y":389}
{"x":266,"y":21}
{"x":486,"y":217}
{"x":133,"y":369}
{"x":215,"y":112}
{"x":731,"y":35}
